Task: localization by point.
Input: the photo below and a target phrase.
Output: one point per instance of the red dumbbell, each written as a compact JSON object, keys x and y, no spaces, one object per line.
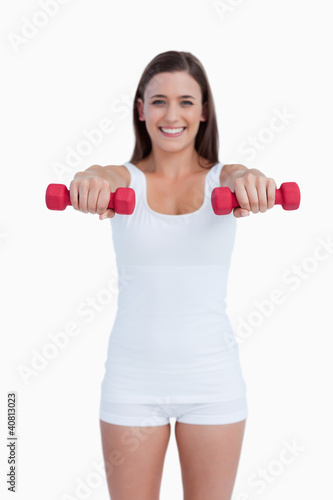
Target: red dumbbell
{"x":224,"y":200}
{"x":122,"y":201}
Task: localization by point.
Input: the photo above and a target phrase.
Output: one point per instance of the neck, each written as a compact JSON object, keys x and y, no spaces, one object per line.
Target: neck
{"x":173,"y":166}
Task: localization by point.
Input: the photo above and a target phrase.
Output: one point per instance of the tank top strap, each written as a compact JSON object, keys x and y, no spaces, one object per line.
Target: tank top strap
{"x":213,"y":177}
{"x":137,"y":179}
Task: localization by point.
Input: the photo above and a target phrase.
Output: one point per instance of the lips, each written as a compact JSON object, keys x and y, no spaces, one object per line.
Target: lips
{"x":165,"y":132}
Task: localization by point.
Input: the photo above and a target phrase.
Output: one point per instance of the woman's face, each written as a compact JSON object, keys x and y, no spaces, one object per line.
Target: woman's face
{"x":172,"y":101}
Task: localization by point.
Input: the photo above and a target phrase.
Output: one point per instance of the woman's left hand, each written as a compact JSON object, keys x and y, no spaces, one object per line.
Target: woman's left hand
{"x":254,"y":191}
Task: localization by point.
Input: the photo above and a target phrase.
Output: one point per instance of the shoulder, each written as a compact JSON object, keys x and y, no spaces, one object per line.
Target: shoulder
{"x":121,"y":172}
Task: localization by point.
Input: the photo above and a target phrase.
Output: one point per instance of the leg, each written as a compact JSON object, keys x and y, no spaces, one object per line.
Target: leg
{"x":134,"y":459}
{"x":209,"y":457}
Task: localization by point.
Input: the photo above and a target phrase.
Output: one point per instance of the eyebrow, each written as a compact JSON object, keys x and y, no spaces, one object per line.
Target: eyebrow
{"x":181,"y":96}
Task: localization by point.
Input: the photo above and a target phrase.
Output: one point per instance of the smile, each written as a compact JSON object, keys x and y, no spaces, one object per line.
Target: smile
{"x":172,"y":132}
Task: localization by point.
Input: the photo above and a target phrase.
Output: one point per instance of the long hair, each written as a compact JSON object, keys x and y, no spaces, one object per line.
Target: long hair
{"x":206,"y":140}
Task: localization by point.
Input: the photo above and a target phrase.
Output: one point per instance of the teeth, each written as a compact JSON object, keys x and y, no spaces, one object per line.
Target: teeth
{"x":172,"y":130}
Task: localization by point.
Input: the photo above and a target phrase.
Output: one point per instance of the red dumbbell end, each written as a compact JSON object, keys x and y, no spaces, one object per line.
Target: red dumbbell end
{"x":57,"y":197}
{"x":222,"y":200}
{"x":289,"y":196}
{"x":122,"y":201}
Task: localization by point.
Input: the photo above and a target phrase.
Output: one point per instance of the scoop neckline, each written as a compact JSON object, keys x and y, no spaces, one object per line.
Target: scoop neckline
{"x":189,"y":214}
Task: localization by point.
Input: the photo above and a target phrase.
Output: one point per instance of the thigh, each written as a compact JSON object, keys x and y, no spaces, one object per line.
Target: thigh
{"x":134,"y":457}
{"x":209,"y":457}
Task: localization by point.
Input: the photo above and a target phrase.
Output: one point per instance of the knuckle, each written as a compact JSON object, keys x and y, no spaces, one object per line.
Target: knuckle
{"x":73,"y":185}
{"x":271,"y":182}
{"x":262,"y":181}
{"x":249,"y":175}
{"x":95,"y":181}
{"x":239,"y":181}
{"x":83,"y":187}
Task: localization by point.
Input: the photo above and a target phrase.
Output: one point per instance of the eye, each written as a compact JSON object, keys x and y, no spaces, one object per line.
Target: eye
{"x":160,"y":100}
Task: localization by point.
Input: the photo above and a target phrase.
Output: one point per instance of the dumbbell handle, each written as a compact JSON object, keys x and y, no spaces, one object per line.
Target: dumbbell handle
{"x":122,"y":201}
{"x":224,"y":200}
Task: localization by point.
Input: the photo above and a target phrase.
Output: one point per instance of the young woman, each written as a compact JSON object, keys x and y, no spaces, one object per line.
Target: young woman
{"x":172,"y":352}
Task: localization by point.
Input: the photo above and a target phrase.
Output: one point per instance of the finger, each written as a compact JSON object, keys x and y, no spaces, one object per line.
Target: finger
{"x":109,"y":213}
{"x":242,"y":196}
{"x":83,"y":196}
{"x":92,"y":198}
{"x":73,"y":195}
{"x":103,"y":199}
{"x":240,"y":212}
{"x":262,"y":195}
{"x":252,"y":195}
{"x":271,"y":193}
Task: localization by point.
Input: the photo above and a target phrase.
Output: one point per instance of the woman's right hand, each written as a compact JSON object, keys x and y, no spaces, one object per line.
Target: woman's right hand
{"x":90,"y":193}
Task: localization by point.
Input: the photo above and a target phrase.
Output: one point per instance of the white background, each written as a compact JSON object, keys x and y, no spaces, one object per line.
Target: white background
{"x":83,"y":66}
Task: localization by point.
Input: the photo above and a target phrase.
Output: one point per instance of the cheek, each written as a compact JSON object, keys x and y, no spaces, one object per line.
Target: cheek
{"x":153,"y":115}
{"x":153,"y":118}
{"x":193,"y":120}
{"x":192,"y":115}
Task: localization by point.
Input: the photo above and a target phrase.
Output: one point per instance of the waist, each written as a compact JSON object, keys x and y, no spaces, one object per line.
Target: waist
{"x":170,"y":290}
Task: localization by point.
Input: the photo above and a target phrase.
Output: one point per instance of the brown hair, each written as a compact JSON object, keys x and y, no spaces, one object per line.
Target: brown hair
{"x":206,"y":140}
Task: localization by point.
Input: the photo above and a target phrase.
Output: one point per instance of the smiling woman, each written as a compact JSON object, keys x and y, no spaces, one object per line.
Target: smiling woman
{"x":172,"y":352}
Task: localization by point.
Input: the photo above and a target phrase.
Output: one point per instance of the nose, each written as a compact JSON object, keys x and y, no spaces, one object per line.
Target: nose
{"x":172,"y":112}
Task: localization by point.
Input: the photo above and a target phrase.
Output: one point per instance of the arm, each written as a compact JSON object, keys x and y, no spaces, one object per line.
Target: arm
{"x":254,"y":191}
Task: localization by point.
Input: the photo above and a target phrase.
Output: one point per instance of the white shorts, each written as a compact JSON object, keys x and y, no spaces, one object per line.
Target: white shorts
{"x":146,"y":414}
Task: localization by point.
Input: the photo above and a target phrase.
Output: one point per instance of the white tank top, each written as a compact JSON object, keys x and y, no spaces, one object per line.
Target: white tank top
{"x":171,"y":340}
